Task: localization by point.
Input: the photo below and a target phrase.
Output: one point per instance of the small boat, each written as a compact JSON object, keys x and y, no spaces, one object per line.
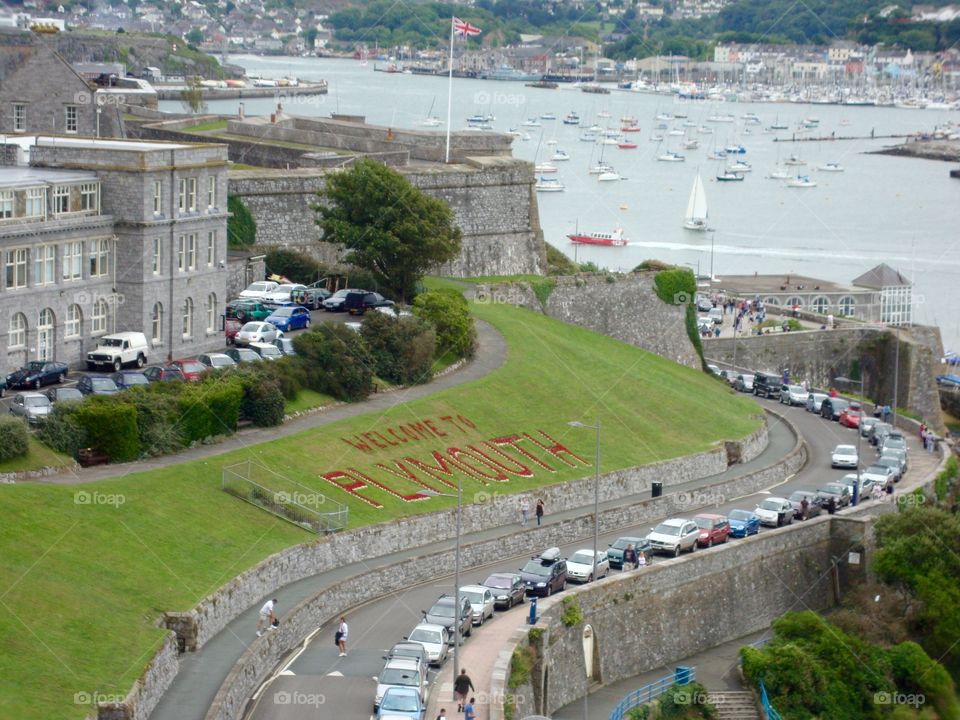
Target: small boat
{"x":615,"y":238}
{"x":688,"y":124}
{"x":670,"y":156}
{"x":735,"y":149}
{"x":677,"y":132}
{"x":512,"y":132}
{"x":600,"y":168}
{"x":663,"y":116}
{"x":561,"y":155}
{"x":721,"y":118}
{"x":629,"y":128}
{"x":544,"y":168}
{"x":794,"y":161}
{"x":531,"y":122}
{"x":611,"y":132}
{"x":801,"y":181}
{"x":611,"y":141}
{"x":656,"y":138}
{"x":588,"y":137}
{"x":777,"y":125}
{"x":704,"y":130}
{"x":603,"y":114}
{"x":831,"y":167}
{"x":548,"y":116}
{"x":740,"y":167}
{"x":729,"y":176}
{"x":629,"y":120}
{"x":595,"y":128}
{"x":551,"y":142}
{"x":546,"y":84}
{"x":696,"y":216}
{"x":780,"y":173}
{"x":477,"y":119}
{"x":752,"y":118}
{"x":549,"y":184}
{"x":571,"y":119}
{"x":690,"y":144}
{"x":717,"y":155}
{"x":627,"y":145}
{"x":609,"y":175}
{"x":431,"y":122}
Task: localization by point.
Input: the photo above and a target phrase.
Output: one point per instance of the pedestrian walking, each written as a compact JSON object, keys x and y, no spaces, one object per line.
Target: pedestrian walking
{"x":461,"y":686}
{"x":929,"y":441}
{"x":267,"y":615}
{"x":804,"y":505}
{"x":524,"y":512}
{"x":923,"y":434}
{"x":641,"y":559}
{"x":630,"y":558}
{"x":889,"y":486}
{"x":342,"y":636}
{"x":886,"y":413}
{"x":468,"y":712}
{"x":831,"y":506}
{"x":538,"y":511}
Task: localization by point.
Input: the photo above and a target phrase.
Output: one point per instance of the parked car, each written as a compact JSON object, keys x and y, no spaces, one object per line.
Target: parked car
{"x":129,"y":378}
{"x":814,"y":501}
{"x":259,"y":290}
{"x":401,"y":702}
{"x":838,"y":491}
{"x":257,"y":332}
{"x":879,"y":473}
{"x":507,"y":588}
{"x":243,"y":355}
{"x":744,"y":383}
{"x":831,"y":408}
{"x":290,"y":318}
{"x":444,"y":612}
{"x":866,"y":425}
{"x":616,"y":549}
{"x":714,"y":529}
{"x":892,"y":463}
{"x":481,"y":602}
{"x":743,"y":523}
{"x":216,"y":361}
{"x":730,"y":376}
{"x":192,"y":370}
{"x":704,"y":304}
{"x":119,"y":349}
{"x":33,"y":407}
{"x":231,"y":326}
{"x":866,"y":486}
{"x":793,"y":395}
{"x":545,"y":574}
{"x":844,"y":456}
{"x":433,"y":638}
{"x":36,"y":374}
{"x":851,"y":417}
{"x":283,"y":293}
{"x":163,"y":373}
{"x":400,"y":673}
{"x":899,"y":455}
{"x":766,"y":384}
{"x":409,"y":651}
{"x":97,"y":385}
{"x":775,"y":511}
{"x":60,"y":394}
{"x":580,"y":566}
{"x":715,"y":370}
{"x":268,"y":351}
{"x":878,"y":432}
{"x":358,"y":302}
{"x":334,"y":303}
{"x":311,"y":296}
{"x":673,"y":536}
{"x":246,"y":310}
{"x":815,"y":401}
{"x":894,"y":441}
{"x":948,"y":380}
{"x":716,"y":315}
{"x":285,"y":345}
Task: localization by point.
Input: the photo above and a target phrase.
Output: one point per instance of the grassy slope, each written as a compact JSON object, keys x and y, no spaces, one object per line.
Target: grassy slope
{"x":82,"y":584}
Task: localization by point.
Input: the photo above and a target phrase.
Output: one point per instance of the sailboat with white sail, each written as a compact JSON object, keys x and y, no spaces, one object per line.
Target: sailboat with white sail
{"x":696,"y":215}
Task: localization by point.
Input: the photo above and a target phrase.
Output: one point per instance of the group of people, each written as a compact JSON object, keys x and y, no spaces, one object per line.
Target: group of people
{"x":525,"y":511}
{"x":928,"y":438}
{"x":632,"y":559}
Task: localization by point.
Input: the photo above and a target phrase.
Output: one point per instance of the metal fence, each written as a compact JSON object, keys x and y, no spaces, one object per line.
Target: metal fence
{"x":287,"y":499}
{"x":651,"y":692}
{"x":772,"y":714}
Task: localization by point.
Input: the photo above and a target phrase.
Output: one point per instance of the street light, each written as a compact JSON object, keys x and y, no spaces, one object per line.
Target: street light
{"x":596,"y":491}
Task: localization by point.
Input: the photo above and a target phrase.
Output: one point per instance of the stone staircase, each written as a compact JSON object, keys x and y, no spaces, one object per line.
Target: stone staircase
{"x":739,"y":705}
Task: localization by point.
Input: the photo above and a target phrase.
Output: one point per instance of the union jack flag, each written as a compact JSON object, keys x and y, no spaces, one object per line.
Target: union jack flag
{"x":463,"y":28}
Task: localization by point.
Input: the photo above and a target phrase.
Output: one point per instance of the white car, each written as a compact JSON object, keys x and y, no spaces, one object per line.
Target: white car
{"x":814,"y":401}
{"x":257,"y":332}
{"x":775,"y":511}
{"x":434,"y":640}
{"x":878,"y":473}
{"x":282,"y":294}
{"x":580,"y":565}
{"x":481,"y":602}
{"x":400,"y":672}
{"x":259,"y":290}
{"x":674,"y":536}
{"x":866,"y":485}
{"x":844,"y":456}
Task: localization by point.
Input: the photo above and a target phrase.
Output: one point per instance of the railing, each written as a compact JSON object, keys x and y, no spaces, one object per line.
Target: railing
{"x":651,"y":692}
{"x":768,"y":709}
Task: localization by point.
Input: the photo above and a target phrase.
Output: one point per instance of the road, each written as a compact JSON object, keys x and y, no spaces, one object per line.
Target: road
{"x":345,"y":686}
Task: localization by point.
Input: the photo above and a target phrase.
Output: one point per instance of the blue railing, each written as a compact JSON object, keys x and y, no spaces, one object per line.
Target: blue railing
{"x":651,"y":692}
{"x":771,"y":713}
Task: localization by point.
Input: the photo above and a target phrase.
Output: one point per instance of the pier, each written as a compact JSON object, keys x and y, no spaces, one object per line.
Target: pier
{"x":231,"y":93}
{"x":833,"y":138}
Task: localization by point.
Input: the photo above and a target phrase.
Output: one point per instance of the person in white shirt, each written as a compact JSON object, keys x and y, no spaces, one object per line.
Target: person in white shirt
{"x":342,"y":634}
{"x":266,"y":615}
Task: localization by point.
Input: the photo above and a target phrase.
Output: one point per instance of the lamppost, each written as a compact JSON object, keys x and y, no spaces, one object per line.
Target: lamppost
{"x":596,"y":491}
{"x":856,"y":488}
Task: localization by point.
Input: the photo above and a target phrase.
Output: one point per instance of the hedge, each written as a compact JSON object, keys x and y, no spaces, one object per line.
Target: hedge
{"x":402,"y":348}
{"x":110,"y":425}
{"x":13,"y":438}
{"x":208,"y":409}
{"x":336,"y":361}
{"x":447,"y":310}
{"x":241,"y":227}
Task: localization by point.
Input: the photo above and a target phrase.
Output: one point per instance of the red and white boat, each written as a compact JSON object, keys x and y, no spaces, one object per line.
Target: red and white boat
{"x":627,"y":146}
{"x":614,"y":238}
{"x":630,"y":128}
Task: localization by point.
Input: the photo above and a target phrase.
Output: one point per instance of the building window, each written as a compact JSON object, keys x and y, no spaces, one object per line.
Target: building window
{"x":99,"y":258}
{"x":73,"y":261}
{"x":187,"y":318}
{"x":212,"y":191}
{"x":46,"y":340}
{"x":847,"y":306}
{"x":61,"y":199}
{"x":211,"y":313}
{"x":72,"y":118}
{"x":157,"y":323}
{"x":157,"y":197}
{"x":16,"y":262}
{"x":6,"y":204}
{"x":90,"y":197}
{"x":191,"y":251}
{"x":182,"y":253}
{"x":156,"y":256}
{"x":44,"y":259}
{"x":795,"y":302}
{"x":98,"y":318}
{"x":821,"y":305}
{"x":73,"y":326}
{"x":18,"y":331}
{"x":211,"y":247}
{"x":182,"y":196}
{"x":192,"y":194}
{"x":36,"y":202}
{"x":19,"y":117}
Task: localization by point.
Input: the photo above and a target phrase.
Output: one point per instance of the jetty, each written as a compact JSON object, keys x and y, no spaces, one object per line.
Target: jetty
{"x":170,"y":92}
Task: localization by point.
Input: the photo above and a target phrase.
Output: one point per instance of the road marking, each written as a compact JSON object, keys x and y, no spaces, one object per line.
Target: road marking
{"x":287,"y":672}
{"x":335,"y":673}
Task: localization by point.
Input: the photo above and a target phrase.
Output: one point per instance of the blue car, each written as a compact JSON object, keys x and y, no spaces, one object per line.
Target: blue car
{"x":289,"y":318}
{"x":743,"y":523}
{"x":401,"y":702}
{"x":128,"y":378}
{"x":948,"y":380}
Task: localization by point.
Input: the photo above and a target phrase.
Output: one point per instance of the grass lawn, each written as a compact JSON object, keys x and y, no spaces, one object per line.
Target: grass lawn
{"x":207,"y":126}
{"x":306,"y":400}
{"x":83,"y":577}
{"x":38,"y":456}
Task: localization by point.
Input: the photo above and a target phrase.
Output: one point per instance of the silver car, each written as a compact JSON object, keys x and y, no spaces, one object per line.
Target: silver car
{"x":257,"y":332}
{"x":673,"y":536}
{"x":400,"y":672}
{"x":814,"y":401}
{"x":33,"y":407}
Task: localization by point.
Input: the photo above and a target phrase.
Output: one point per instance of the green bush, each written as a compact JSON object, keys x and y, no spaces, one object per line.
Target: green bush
{"x":61,"y":431}
{"x":558,"y":263}
{"x":157,"y":412}
{"x":298,"y":267}
{"x":686,"y":701}
{"x":336,"y":361}
{"x":288,"y":373}
{"x":241,"y":227}
{"x":110,"y":425}
{"x":676,"y":286}
{"x":915,"y":673}
{"x":208,"y":409}
{"x":13,"y":438}
{"x":449,"y":313}
{"x":263,"y":404}
{"x":402,"y":348}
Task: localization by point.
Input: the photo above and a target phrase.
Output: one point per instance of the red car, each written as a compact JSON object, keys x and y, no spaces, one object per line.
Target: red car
{"x":851,"y":417}
{"x":714,"y":529}
{"x":192,"y":369}
{"x":231,"y":326}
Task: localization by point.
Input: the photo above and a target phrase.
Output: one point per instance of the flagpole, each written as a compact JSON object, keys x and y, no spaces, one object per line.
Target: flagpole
{"x":449,"y":90}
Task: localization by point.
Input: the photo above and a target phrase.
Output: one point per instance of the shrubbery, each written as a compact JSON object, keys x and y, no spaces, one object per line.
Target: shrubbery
{"x":336,"y":361}
{"x":61,"y":431}
{"x":241,"y":227}
{"x":447,"y":310}
{"x":296,"y":266}
{"x":402,"y":348}
{"x":110,"y":424}
{"x":13,"y":438}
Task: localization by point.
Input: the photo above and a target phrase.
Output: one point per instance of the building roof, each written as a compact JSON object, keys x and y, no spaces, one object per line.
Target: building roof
{"x":880,"y":277}
{"x":765,"y":285}
{"x":23,"y":176}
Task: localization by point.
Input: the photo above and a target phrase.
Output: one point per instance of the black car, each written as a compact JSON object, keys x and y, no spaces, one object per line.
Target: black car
{"x":63,"y":393}
{"x":164,"y":373}
{"x":312,"y":296}
{"x":767,"y":385}
{"x":97,"y":385}
{"x":545,"y":574}
{"x":129,"y":378}
{"x":37,"y":373}
{"x":357,"y":303}
{"x":831,"y":408}
{"x":243,"y":355}
{"x":507,"y":588}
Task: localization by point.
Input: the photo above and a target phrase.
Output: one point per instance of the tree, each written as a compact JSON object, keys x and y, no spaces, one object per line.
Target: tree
{"x":389,"y":227}
{"x":192,"y":95}
{"x":194,"y":36}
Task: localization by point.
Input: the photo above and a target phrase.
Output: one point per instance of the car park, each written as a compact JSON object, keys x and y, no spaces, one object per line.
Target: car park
{"x":129,"y":378}
{"x":334,"y":303}
{"x":257,"y":332}
{"x":616,"y":549}
{"x":401,"y":702}
{"x":268,"y":351}
{"x":259,"y":290}
{"x":433,"y":638}
{"x":216,"y":361}
{"x":507,"y":589}
{"x":119,"y":349}
{"x":844,"y":456}
{"x":192,"y":370}
{"x":444,"y":612}
{"x":793,"y":395}
{"x":815,"y":401}
{"x":400,"y":673}
{"x":892,"y":463}
{"x":766,"y":384}
{"x":33,"y":407}
{"x":775,"y":511}
{"x":285,"y":345}
{"x":545,"y":574}
{"x":714,"y":529}
{"x":37,"y":373}
{"x":744,"y":383}
{"x":673,"y":536}
{"x":743,"y":523}
{"x":163,"y":373}
{"x":409,"y":651}
{"x":814,"y":503}
{"x":243,"y":355}
{"x":851,"y":417}
{"x":580,"y":566}
{"x":290,"y":318}
{"x":481,"y":602}
{"x":836,"y":490}
{"x":831,"y":408}
{"x":97,"y":385}
{"x":246,"y":310}
{"x":61,"y":394}
{"x":359,"y":301}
